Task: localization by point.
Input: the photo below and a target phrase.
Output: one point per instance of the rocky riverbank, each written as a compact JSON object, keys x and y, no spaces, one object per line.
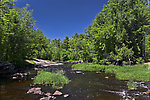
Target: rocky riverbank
{"x":7,"y":68}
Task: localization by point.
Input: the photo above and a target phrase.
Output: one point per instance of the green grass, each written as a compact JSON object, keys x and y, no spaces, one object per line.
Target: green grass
{"x":131,"y":85}
{"x":91,"y":67}
{"x":135,"y":72}
{"x":72,"y":60}
{"x":55,"y":79}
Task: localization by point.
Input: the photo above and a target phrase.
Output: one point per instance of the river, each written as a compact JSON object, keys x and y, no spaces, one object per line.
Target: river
{"x":82,"y":86}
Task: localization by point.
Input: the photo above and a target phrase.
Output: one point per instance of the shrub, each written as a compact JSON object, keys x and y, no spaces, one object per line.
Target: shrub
{"x":140,"y":60}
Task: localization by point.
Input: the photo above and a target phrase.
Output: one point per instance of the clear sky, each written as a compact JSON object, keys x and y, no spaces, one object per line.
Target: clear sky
{"x":60,"y":18}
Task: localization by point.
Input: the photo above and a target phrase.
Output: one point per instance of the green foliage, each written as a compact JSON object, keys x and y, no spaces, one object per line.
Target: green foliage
{"x":140,"y":60}
{"x":122,"y":54}
{"x":131,"y":85}
{"x":19,"y":40}
{"x":54,"y":79}
{"x":147,"y":47}
{"x":122,"y":25}
{"x":120,"y":32}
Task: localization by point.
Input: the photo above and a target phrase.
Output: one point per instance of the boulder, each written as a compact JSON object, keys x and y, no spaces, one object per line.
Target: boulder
{"x":7,"y":68}
{"x":57,"y":93}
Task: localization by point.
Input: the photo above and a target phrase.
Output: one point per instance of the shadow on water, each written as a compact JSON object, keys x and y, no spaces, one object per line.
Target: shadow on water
{"x":82,"y":86}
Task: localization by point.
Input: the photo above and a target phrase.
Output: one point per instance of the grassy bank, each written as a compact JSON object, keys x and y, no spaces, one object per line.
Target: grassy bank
{"x":92,"y":67}
{"x":135,"y":72}
{"x":54,"y":79}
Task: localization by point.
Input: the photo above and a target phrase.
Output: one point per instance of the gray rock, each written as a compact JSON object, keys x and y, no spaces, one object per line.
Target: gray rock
{"x":7,"y":68}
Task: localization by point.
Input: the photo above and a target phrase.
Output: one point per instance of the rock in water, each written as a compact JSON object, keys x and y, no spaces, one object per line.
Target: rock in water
{"x":106,"y":77}
{"x":35,"y":91}
{"x":48,"y":94}
{"x":14,"y":77}
{"x":66,"y":95}
{"x":57,"y":93}
{"x":7,"y":68}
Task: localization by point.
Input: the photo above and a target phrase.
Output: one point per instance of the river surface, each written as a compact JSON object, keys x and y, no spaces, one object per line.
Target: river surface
{"x":82,"y":86}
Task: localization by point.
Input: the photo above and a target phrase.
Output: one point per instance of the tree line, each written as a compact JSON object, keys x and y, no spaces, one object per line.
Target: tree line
{"x":120,"y":33}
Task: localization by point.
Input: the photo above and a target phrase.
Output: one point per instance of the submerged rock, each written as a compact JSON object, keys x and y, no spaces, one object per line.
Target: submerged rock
{"x":35,"y":91}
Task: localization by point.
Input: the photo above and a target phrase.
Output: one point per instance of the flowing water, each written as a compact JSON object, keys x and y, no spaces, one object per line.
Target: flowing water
{"x":82,"y":86}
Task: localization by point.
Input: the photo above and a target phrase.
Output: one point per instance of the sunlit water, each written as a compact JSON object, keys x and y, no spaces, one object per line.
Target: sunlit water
{"x":82,"y":86}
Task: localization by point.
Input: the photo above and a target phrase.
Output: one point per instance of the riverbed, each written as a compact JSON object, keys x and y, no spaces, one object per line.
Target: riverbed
{"x":83,"y":85}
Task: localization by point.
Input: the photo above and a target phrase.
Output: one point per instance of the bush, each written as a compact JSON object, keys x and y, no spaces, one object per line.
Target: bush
{"x":54,"y":79}
{"x":140,"y":60}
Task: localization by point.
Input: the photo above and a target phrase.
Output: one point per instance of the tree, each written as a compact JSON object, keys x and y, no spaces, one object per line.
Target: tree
{"x":120,"y":22}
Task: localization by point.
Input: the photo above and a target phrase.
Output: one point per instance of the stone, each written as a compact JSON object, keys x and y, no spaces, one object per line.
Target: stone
{"x":36,"y":69}
{"x":106,"y":77}
{"x":66,"y":95}
{"x":35,"y":91}
{"x":53,"y":97}
{"x":45,"y":98}
{"x":25,"y":74}
{"x":32,"y":78}
{"x":48,"y":94}
{"x":42,"y":98}
{"x":78,"y":72}
{"x":14,"y":77}
{"x":57,"y":93}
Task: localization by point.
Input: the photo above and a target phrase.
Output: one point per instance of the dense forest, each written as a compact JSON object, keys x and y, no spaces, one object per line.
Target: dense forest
{"x":119,"y":34}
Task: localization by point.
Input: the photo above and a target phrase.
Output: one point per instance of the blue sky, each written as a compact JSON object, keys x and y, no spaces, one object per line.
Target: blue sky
{"x":60,"y":18}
